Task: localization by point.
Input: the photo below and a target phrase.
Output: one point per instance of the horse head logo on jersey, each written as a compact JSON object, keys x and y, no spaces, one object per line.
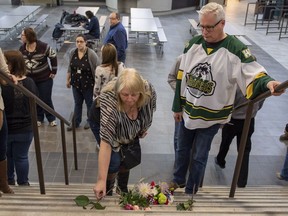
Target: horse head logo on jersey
{"x":200,"y":80}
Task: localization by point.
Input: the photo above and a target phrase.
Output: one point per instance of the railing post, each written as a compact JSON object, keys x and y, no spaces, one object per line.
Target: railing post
{"x":241,"y":148}
{"x":37,"y":144}
{"x":64,"y":150}
{"x":74,"y":142}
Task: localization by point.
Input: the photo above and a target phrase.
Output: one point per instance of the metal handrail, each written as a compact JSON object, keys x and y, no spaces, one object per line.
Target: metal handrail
{"x":249,"y":104}
{"x":33,"y":100}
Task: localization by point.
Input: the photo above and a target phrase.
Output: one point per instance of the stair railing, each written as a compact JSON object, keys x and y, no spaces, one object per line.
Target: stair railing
{"x":250,"y":105}
{"x":33,"y":100}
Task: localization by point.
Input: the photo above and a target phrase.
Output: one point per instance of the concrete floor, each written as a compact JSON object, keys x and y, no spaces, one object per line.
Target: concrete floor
{"x":158,"y":152}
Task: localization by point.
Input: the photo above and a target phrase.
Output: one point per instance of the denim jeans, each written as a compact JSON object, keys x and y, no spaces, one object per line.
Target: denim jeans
{"x":284,"y":171}
{"x":3,"y":138}
{"x":95,"y":128}
{"x":45,"y":94}
{"x":199,"y":141}
{"x":17,"y":156}
{"x":79,"y":97}
{"x":176,"y":133}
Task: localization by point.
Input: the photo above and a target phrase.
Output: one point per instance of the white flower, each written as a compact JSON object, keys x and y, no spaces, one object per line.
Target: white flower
{"x":154,"y":191}
{"x":144,"y":189}
{"x":164,"y":187}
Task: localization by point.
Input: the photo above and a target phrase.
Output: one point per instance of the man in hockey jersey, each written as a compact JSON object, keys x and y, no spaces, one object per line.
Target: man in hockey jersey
{"x":212,"y":67}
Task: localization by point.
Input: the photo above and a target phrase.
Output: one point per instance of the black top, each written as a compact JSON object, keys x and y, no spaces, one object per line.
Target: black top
{"x":17,"y":107}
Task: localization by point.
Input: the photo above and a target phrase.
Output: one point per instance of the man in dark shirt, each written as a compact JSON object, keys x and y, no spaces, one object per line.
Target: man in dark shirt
{"x":92,"y":26}
{"x":117,"y":36}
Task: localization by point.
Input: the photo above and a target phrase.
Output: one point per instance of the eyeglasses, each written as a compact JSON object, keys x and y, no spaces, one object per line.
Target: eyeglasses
{"x":80,"y":41}
{"x":112,"y":18}
{"x":208,"y":28}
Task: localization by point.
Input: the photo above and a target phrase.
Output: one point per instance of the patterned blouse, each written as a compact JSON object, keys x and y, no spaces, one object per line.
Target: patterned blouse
{"x":81,"y":73}
{"x":116,"y":127}
{"x":102,"y":76}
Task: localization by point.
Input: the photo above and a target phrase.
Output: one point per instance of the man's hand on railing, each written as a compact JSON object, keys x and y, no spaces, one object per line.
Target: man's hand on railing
{"x":272,"y":85}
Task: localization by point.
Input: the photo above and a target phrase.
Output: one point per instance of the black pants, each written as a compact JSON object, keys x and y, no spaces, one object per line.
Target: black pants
{"x":229,"y":131}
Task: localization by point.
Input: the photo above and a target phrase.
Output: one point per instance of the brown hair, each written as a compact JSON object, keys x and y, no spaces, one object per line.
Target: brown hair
{"x":30,"y":35}
{"x":109,"y":57}
{"x":16,"y":62}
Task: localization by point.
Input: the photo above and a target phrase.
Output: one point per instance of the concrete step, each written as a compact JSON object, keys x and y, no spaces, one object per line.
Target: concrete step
{"x":58,"y":200}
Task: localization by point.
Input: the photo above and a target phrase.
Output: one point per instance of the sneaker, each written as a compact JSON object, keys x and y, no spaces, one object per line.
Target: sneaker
{"x":87,"y":126}
{"x":39,"y":123}
{"x":173,"y":185}
{"x":217,"y":163}
{"x":279,"y":176}
{"x":97,"y":147}
{"x":53,"y":123}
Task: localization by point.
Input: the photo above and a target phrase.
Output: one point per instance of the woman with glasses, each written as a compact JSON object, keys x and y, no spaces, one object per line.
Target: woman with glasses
{"x":80,"y":75}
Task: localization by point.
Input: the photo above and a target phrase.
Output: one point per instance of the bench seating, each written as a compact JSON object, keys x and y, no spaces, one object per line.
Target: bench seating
{"x":125,"y":21}
{"x":37,"y":23}
{"x":158,"y":23}
{"x":194,"y":30}
{"x":243,"y":40}
{"x":102,"y":21}
{"x":161,"y":38}
{"x":41,"y":20}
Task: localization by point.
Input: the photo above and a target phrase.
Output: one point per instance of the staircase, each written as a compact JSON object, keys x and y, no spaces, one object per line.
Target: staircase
{"x":58,"y":200}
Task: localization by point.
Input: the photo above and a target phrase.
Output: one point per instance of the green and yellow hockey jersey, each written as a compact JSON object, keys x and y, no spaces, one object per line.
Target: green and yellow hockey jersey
{"x":208,"y":78}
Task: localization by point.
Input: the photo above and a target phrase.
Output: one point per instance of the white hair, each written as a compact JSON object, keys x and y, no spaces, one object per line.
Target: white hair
{"x":212,"y":8}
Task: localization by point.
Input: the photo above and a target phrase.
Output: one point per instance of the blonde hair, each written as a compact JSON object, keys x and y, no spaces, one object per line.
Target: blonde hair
{"x":212,"y":8}
{"x":133,"y":81}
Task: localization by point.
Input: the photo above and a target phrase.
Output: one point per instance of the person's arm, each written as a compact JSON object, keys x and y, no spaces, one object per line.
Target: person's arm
{"x":68,"y":80}
{"x":103,"y":165}
{"x":172,"y":76}
{"x":120,"y":42}
{"x":52,"y":55}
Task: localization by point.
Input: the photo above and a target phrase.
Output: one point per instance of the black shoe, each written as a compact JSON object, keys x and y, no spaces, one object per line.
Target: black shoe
{"x":69,"y":128}
{"x":87,"y":126}
{"x":11,"y":182}
{"x":222,"y":166}
{"x":24,"y":184}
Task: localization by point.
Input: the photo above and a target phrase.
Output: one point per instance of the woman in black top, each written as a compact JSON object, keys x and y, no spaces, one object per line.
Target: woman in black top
{"x":18,"y":115}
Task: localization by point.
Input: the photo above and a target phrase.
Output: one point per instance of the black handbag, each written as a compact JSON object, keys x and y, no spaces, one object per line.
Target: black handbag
{"x":131,"y":154}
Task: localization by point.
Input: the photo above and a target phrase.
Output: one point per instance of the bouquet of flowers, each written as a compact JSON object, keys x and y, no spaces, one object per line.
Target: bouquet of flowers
{"x":143,"y":195}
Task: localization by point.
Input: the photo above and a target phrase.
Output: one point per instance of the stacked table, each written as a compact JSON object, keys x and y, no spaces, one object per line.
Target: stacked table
{"x":142,"y":21}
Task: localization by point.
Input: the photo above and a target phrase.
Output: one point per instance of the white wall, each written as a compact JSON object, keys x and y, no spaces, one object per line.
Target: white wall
{"x":112,"y":5}
{"x":155,"y":5}
{"x":5,"y":2}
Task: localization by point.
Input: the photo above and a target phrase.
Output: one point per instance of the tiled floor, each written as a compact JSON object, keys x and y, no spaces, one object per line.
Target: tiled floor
{"x":158,"y":153}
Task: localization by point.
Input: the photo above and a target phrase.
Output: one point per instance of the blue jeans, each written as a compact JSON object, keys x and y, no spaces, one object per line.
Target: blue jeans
{"x":95,"y":128}
{"x":79,"y":97}
{"x":45,"y":94}
{"x":284,"y":171}
{"x":3,"y":138}
{"x":17,"y":156}
{"x":199,"y":141}
{"x":176,"y":133}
